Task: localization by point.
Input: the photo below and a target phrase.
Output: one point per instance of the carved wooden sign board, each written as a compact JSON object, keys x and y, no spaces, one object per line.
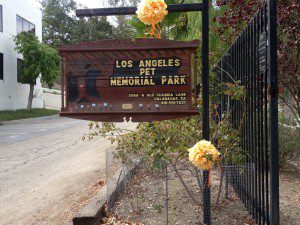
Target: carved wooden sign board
{"x":139,"y":79}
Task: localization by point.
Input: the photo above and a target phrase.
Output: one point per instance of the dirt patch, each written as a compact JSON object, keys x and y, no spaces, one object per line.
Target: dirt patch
{"x":67,"y":215}
{"x":144,"y":201}
{"x":290,"y":195}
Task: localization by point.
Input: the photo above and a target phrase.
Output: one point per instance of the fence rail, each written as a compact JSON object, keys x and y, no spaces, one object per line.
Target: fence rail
{"x":247,"y":61}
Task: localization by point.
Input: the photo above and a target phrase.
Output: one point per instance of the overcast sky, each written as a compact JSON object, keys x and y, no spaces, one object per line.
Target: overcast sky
{"x":87,"y":3}
{"x":92,"y":3}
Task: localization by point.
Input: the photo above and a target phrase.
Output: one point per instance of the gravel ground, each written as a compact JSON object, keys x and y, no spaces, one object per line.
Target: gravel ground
{"x":290,"y":195}
{"x":144,"y":202}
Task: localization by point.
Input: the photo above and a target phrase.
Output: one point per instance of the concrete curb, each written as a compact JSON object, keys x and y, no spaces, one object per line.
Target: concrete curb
{"x":52,"y":91}
{"x":29,"y":120}
{"x":93,"y":212}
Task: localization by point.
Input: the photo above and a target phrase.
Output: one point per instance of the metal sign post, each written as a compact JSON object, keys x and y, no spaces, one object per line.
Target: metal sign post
{"x":205,"y":106}
{"x":274,"y":149}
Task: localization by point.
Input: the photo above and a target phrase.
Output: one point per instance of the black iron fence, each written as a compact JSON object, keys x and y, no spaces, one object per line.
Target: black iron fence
{"x":249,"y":62}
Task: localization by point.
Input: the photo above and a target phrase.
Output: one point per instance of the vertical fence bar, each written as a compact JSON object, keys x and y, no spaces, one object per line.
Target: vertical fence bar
{"x":252,"y":118}
{"x":248,"y":120}
{"x":248,"y":149}
{"x":260,"y":116}
{"x":253,"y":130}
{"x":261,"y":162}
{"x":250,"y":77}
{"x":238,"y":55}
{"x":274,"y":150}
{"x":266,"y":121}
{"x":240,"y":49}
{"x":257,"y":124}
{"x":245,"y":119}
{"x":205,"y":102}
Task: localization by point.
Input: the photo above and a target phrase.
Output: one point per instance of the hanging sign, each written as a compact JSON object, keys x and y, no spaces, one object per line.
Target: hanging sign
{"x":141,"y":79}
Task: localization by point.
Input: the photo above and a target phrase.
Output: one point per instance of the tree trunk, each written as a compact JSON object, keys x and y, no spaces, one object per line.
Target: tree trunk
{"x":30,"y":97}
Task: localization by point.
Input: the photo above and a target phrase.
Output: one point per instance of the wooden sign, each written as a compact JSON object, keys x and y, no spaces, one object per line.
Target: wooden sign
{"x":141,"y":79}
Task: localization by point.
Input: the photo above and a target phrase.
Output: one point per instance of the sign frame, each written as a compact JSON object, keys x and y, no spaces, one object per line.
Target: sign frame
{"x":147,"y":113}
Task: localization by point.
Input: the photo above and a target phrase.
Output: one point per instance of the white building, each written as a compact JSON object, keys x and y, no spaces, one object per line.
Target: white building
{"x":17,"y":16}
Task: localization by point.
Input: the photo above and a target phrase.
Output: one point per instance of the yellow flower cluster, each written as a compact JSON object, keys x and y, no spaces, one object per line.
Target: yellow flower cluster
{"x":152,"y":12}
{"x":204,"y":155}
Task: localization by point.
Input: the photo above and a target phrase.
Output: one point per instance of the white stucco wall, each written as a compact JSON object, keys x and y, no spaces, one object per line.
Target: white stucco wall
{"x":14,"y":95}
{"x":52,"y":98}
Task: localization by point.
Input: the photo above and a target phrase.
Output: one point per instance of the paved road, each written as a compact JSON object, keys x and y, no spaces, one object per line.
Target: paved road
{"x":27,"y":129}
{"x":47,"y":171}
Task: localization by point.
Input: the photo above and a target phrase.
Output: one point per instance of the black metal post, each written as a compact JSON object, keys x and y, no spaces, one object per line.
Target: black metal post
{"x":205,"y":106}
{"x":274,"y":149}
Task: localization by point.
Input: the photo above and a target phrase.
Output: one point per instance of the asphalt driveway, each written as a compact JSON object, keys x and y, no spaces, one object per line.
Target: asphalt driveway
{"x":46,"y":170}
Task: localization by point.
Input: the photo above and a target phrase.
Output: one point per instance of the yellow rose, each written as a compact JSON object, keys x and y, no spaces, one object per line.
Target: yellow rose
{"x":152,"y":12}
{"x":198,"y":155}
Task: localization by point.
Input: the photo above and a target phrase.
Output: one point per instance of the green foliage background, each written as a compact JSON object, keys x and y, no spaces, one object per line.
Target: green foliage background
{"x":39,"y":60}
{"x":61,"y":26}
